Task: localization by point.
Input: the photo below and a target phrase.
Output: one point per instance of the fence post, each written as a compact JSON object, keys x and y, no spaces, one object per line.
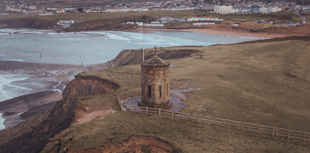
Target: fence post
{"x":257,"y":127}
{"x":199,"y":119}
{"x":172,"y":113}
{"x":124,"y":97}
{"x":147,"y":108}
{"x":242,"y":126}
{"x":304,"y":136}
{"x":159,"y":111}
{"x":272,"y":131}
{"x":228,"y":122}
{"x":288,"y":133}
{"x":213,"y":121}
{"x":186,"y":116}
{"x":277,"y":131}
{"x":134,"y":108}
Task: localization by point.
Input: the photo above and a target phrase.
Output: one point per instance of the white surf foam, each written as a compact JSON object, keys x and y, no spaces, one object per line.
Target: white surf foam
{"x":1,"y":122}
{"x":5,"y":81}
{"x":7,"y":90}
{"x":20,"y":60}
{"x":116,"y":37}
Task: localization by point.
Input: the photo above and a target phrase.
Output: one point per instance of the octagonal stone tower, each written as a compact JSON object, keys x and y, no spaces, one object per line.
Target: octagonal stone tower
{"x":155,"y":83}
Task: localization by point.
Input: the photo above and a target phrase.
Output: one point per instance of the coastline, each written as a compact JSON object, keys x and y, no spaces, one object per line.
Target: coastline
{"x":218,"y":29}
{"x":222,"y":31}
{"x":40,"y":99}
{"x":226,"y":29}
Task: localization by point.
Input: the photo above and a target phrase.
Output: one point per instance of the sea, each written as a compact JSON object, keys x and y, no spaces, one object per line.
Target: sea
{"x":77,"y":48}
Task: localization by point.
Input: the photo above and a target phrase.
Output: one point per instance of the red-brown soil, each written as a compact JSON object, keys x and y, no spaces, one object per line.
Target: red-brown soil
{"x":138,"y":144}
{"x":87,"y":117}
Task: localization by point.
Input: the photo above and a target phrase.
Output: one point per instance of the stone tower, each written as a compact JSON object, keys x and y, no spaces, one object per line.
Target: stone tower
{"x":155,"y":83}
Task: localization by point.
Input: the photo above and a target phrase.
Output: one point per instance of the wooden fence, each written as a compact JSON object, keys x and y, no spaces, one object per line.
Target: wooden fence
{"x":129,"y":71}
{"x":244,"y":126}
{"x":122,"y":97}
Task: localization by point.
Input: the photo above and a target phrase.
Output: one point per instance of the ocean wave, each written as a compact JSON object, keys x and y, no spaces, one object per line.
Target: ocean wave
{"x":8,"y":90}
{"x":57,"y":90}
{"x":1,"y":122}
{"x":19,"y":60}
{"x":116,"y":37}
{"x":94,"y":32}
{"x":57,"y":84}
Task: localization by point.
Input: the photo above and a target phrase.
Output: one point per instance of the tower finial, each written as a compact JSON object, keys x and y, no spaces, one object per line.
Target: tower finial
{"x":155,"y":50}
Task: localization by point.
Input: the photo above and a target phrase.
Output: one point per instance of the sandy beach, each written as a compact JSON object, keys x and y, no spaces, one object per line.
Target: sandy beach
{"x":224,"y":29}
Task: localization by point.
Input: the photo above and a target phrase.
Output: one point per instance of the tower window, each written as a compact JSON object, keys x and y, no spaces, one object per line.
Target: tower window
{"x":159,"y":91}
{"x":150,"y":91}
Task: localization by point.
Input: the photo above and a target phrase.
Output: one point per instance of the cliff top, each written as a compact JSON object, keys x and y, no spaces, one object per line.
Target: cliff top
{"x":252,"y":79}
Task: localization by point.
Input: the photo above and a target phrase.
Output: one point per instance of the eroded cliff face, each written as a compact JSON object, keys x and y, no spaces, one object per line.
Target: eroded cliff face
{"x":32,"y":139}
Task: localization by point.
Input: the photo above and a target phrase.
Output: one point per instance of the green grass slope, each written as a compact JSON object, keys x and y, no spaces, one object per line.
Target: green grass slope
{"x":243,"y":82}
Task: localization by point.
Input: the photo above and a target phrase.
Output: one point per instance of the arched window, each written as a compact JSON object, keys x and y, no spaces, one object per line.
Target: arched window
{"x":150,"y":91}
{"x":159,"y":91}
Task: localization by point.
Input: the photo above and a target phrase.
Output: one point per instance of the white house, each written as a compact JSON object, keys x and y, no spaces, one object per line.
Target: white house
{"x":263,"y":9}
{"x":32,"y":7}
{"x":223,"y":9}
{"x":166,"y":19}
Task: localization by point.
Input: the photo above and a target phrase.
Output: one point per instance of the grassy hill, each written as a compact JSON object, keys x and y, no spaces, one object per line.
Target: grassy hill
{"x":244,"y":82}
{"x":275,"y":17}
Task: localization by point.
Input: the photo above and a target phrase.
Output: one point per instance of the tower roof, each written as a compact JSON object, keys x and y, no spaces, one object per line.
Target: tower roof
{"x":155,"y":61}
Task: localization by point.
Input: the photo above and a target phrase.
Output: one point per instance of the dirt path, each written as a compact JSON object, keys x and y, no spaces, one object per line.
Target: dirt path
{"x":87,"y":117}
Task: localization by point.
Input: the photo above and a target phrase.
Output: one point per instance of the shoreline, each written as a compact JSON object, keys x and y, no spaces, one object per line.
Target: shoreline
{"x":229,"y":32}
{"x":210,"y":29}
{"x":218,"y":29}
{"x":38,"y":99}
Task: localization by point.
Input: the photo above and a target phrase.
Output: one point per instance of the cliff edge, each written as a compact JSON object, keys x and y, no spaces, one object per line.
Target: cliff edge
{"x":33,"y":134}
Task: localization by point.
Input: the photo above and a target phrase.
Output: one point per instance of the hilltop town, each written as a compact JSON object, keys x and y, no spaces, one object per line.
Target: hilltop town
{"x":213,"y":12}
{"x":173,"y":5}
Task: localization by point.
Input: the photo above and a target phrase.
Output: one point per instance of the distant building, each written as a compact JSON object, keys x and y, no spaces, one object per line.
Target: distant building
{"x":166,"y":19}
{"x":180,"y":19}
{"x":154,"y":25}
{"x":65,"y":22}
{"x":32,"y":8}
{"x":255,"y":9}
{"x":263,"y":10}
{"x":223,"y":9}
{"x":203,"y":23}
{"x":154,"y":21}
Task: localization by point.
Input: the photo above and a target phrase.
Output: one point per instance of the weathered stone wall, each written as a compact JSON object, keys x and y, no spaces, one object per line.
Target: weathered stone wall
{"x":155,"y":77}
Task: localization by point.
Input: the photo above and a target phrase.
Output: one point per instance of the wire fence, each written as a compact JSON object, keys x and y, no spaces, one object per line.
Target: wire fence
{"x":244,"y":126}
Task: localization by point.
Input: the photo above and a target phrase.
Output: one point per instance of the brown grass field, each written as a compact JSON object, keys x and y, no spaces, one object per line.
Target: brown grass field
{"x":244,"y":82}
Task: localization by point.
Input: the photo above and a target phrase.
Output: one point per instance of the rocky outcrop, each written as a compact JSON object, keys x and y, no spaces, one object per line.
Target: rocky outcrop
{"x":132,"y":57}
{"x":31,"y":137}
